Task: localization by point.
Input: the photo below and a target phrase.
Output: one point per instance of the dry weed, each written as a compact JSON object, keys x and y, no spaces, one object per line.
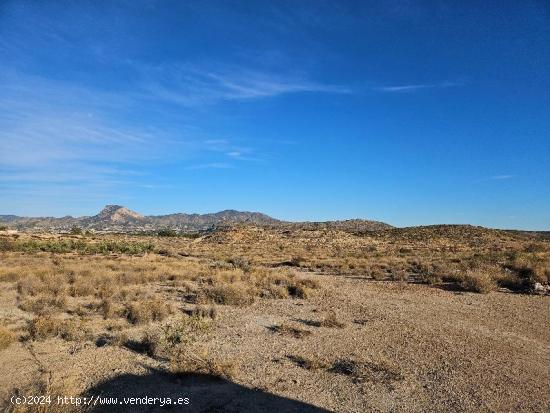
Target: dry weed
{"x":6,"y":337}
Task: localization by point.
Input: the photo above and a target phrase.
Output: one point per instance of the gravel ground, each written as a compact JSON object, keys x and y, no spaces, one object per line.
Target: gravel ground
{"x":401,"y":347}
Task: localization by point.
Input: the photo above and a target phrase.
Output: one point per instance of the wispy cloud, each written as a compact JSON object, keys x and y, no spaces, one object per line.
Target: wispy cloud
{"x":60,"y":138}
{"x":211,"y":165}
{"x":417,"y":87}
{"x":198,"y":85}
{"x":502,"y":177}
{"x":57,"y":132}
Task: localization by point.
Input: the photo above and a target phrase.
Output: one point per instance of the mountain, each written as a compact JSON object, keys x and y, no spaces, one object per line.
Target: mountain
{"x":115,"y":215}
{"x":229,"y":216}
{"x":117,"y":218}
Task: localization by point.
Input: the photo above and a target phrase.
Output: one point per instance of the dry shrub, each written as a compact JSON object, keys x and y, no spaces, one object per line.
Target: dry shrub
{"x":108,"y":308}
{"x":6,"y":337}
{"x":239,"y":294}
{"x":74,"y":330}
{"x":276,"y":291}
{"x":174,"y":337}
{"x":478,"y":281}
{"x":144,"y":312}
{"x":377,"y":274}
{"x":106,"y":290}
{"x":297,"y":261}
{"x":286,"y":330}
{"x":185,"y":331}
{"x":205,"y":312}
{"x":309,"y":283}
{"x":44,"y":304}
{"x":241,"y":263}
{"x":361,"y":371}
{"x":399,"y":275}
{"x":529,"y":274}
{"x":47,"y":385}
{"x":9,"y":276}
{"x":431,"y":278}
{"x":46,"y":326}
{"x":150,"y":343}
{"x":309,"y":363}
{"x":83,"y":287}
{"x":513,"y":282}
{"x":29,"y":286}
{"x":331,"y":321}
{"x":302,"y":288}
{"x":186,"y":361}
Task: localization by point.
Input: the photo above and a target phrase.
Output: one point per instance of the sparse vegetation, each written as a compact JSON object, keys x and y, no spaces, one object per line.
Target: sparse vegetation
{"x":190,"y":305}
{"x":63,"y":246}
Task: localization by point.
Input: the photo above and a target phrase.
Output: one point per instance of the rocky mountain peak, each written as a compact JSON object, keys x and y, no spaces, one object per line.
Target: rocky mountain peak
{"x":118,"y":214}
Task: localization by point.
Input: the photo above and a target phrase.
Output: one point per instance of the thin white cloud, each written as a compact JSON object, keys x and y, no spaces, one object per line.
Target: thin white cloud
{"x":191,"y":86}
{"x":211,"y":165}
{"x":54,"y":132}
{"x":416,"y":87}
{"x":60,"y":138}
{"x":502,"y":177}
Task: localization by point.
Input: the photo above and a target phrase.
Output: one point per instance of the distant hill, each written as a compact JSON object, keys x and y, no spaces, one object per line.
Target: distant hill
{"x":117,"y":218}
{"x":357,"y":226}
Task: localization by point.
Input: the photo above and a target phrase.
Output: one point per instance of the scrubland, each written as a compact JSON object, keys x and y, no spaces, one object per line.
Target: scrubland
{"x":246,"y":318}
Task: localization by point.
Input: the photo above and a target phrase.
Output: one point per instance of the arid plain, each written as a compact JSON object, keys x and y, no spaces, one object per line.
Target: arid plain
{"x":287,"y":318}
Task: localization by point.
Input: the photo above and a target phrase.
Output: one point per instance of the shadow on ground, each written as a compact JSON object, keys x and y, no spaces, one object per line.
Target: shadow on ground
{"x":205,"y":393}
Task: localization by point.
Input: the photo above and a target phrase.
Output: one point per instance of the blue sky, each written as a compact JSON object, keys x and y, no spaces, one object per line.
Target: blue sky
{"x":401,"y":111}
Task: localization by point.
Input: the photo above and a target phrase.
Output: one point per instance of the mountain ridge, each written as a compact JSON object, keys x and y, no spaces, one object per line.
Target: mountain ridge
{"x":118,"y":218}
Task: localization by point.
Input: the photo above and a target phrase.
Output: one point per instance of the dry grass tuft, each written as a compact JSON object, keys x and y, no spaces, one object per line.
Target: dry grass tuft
{"x":173,"y":337}
{"x":361,"y":371}
{"x":46,"y":326}
{"x":6,"y":337}
{"x":185,"y":362}
{"x":286,"y":330}
{"x":309,"y":363}
{"x":331,"y":321}
{"x":239,"y":294}
{"x":144,"y":312}
{"x":46,"y":385}
{"x":478,"y":281}
{"x":202,"y":311}
{"x":44,"y":304}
